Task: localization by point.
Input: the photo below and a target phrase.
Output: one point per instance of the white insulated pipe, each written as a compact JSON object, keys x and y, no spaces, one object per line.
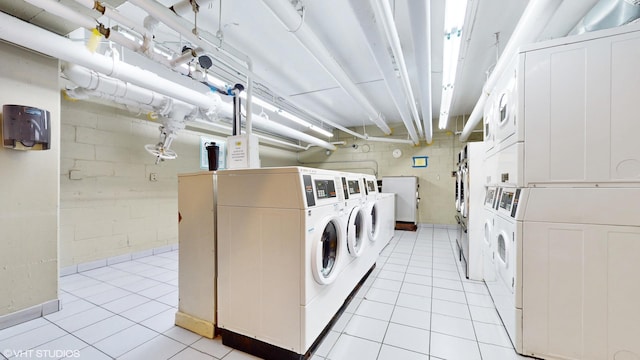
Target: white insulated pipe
{"x":43,"y":41}
{"x":184,"y":27}
{"x":226,"y":110}
{"x":94,"y":81}
{"x":377,"y":47}
{"x":383,"y":11}
{"x":57,"y":9}
{"x":105,"y":87}
{"x":83,"y":94}
{"x":112,"y":14}
{"x":65,"y":12}
{"x":184,"y":7}
{"x":420,"y":22}
{"x":289,"y":17}
{"x":533,"y":21}
{"x":19,"y":32}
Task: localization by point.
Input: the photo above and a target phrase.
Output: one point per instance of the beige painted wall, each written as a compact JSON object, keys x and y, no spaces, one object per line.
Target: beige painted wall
{"x":114,"y":208}
{"x":29,"y":187}
{"x":437,"y":187}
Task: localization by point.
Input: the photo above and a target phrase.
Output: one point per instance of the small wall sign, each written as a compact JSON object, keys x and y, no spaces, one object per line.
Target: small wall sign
{"x":420,"y":161}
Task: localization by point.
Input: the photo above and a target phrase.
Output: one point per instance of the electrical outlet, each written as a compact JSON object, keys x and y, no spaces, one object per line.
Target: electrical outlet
{"x":153,"y":177}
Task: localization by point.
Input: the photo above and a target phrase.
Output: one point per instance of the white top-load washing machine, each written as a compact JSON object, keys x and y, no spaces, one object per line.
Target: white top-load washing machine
{"x":282,"y":255}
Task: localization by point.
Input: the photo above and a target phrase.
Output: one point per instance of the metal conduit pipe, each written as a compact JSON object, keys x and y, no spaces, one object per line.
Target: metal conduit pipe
{"x":290,"y":18}
{"x":535,"y":18}
{"x":383,"y":12}
{"x":420,"y":22}
{"x":375,"y":42}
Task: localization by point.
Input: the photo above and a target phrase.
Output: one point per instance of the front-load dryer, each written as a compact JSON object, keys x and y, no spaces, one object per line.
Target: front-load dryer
{"x":508,"y":126}
{"x":506,"y":287}
{"x":488,"y":256}
{"x":489,"y":124}
{"x":281,"y":258}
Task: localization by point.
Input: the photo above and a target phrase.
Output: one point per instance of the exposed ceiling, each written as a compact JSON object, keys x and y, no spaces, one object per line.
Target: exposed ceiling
{"x":289,"y":71}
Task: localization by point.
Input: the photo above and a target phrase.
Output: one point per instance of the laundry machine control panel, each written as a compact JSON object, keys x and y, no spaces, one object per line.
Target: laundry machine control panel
{"x":319,"y":190}
{"x":354,"y":186}
{"x":372,"y":186}
{"x":508,"y":199}
{"x":325,"y":189}
{"x":490,"y":198}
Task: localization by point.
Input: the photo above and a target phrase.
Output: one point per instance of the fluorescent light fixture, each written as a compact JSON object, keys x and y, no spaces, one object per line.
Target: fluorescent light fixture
{"x":321,"y":131}
{"x":297,"y":120}
{"x":453,"y":20}
{"x":214,"y":80}
{"x":259,"y":102}
{"x":267,"y":106}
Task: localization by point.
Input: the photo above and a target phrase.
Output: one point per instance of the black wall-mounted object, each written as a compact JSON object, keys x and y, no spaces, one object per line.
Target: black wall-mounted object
{"x":26,"y":128}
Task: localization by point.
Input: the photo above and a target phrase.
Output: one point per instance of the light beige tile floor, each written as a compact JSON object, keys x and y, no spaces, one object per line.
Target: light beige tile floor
{"x":415,"y":305}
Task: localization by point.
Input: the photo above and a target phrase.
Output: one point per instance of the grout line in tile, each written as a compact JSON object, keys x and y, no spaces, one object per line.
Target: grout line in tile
{"x":431,"y":301}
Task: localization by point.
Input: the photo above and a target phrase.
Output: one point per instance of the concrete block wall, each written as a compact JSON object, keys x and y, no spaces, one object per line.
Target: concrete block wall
{"x":29,"y":193}
{"x":109,"y":205}
{"x":437,"y":186}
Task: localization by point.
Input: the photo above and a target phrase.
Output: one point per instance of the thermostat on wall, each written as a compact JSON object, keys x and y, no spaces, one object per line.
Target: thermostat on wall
{"x":396,"y":153}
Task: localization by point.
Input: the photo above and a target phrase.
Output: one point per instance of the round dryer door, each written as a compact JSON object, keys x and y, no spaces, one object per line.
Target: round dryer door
{"x":488,"y":232}
{"x":458,"y":189}
{"x":373,"y":222}
{"x":355,"y":231}
{"x":503,"y":264}
{"x":465,"y":192}
{"x":325,"y":252}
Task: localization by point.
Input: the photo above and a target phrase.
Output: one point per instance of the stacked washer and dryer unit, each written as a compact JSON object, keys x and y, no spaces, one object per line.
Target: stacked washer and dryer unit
{"x":292,"y":247}
{"x":563,"y":221}
{"x":470,"y":190}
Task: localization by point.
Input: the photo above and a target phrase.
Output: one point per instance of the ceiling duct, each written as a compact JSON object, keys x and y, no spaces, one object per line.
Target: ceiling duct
{"x":608,"y":14}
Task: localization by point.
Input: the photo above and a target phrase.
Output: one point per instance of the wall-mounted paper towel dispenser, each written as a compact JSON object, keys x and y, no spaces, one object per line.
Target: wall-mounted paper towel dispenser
{"x":25,"y":127}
